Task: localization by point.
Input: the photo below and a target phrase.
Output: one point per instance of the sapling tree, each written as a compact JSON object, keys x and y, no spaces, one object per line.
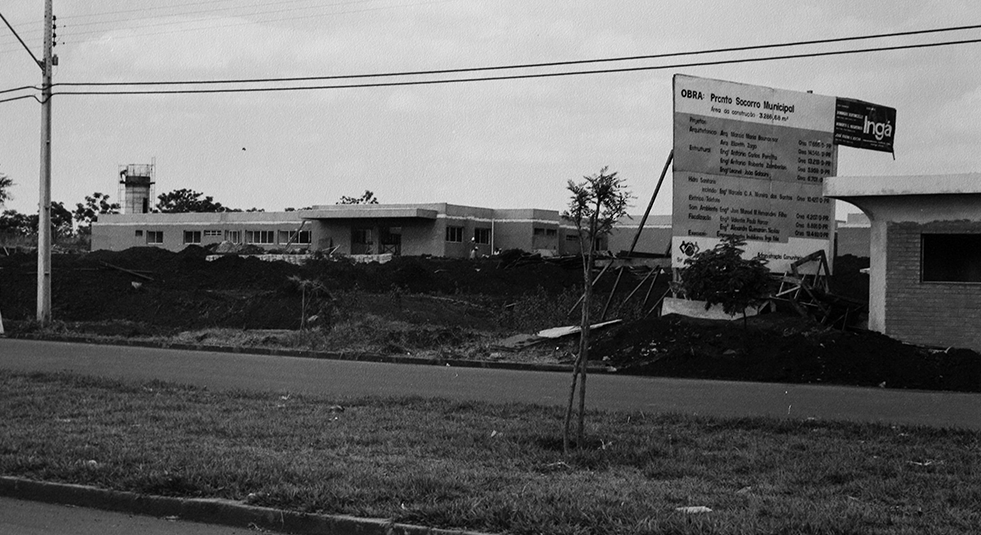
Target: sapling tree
{"x":721,"y":275}
{"x":309,"y":290}
{"x":596,"y":205}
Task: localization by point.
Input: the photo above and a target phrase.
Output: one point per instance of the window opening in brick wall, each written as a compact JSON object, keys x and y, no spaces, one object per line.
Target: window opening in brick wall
{"x":454,"y":234}
{"x":951,"y":258}
{"x":139,"y":233}
{"x":212,"y":234}
{"x":482,"y":236}
{"x":154,"y":237}
{"x":192,"y":236}
{"x":261,"y":237}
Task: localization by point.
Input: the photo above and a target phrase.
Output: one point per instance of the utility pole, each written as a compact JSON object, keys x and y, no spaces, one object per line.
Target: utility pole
{"x":44,"y":198}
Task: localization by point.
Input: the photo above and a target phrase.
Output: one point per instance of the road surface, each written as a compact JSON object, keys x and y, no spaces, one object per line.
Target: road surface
{"x":609,"y":392}
{"x":18,"y":517}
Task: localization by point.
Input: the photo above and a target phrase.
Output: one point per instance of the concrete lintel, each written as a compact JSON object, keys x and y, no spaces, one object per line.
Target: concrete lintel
{"x":367,"y":212}
{"x":885,"y":186}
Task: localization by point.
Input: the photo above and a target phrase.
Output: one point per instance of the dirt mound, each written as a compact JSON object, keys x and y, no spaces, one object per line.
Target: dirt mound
{"x":183,"y":290}
{"x":445,"y":302}
{"x":782,"y":348}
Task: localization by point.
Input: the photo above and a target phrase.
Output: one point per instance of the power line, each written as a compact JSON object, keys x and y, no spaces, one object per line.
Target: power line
{"x":70,"y":34}
{"x":539,"y":65}
{"x":258,"y":17}
{"x":248,"y":22}
{"x":186,"y":4}
{"x":19,"y":39}
{"x":34,"y":87}
{"x":214,"y":10}
{"x":518,"y":76}
{"x":21,"y":98}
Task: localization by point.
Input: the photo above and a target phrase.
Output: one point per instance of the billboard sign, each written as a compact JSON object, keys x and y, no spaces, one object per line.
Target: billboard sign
{"x":864,"y":125}
{"x":750,"y":161}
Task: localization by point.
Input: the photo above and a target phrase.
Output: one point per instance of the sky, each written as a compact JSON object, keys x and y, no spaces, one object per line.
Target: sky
{"x":499,"y":144}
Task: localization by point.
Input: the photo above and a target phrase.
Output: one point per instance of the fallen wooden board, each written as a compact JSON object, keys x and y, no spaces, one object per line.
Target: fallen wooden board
{"x":559,"y":332}
{"x":522,"y":341}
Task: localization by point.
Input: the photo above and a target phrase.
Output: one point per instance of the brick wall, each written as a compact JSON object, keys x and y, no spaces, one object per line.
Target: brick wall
{"x":932,"y":314}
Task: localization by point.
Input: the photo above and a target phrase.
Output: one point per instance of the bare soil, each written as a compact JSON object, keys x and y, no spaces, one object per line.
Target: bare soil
{"x":450,"y":303}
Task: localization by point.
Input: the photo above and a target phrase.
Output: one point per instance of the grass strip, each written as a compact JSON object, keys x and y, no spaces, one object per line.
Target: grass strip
{"x":490,"y":467}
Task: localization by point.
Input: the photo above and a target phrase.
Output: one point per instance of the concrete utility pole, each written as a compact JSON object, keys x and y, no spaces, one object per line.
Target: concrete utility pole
{"x":44,"y":199}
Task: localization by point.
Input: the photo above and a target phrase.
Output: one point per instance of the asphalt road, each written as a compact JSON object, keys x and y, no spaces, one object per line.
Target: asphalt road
{"x":346,"y":379}
{"x":18,"y":517}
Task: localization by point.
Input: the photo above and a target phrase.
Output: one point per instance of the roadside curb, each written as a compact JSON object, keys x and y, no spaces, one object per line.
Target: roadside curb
{"x":209,"y":511}
{"x":323,"y":355}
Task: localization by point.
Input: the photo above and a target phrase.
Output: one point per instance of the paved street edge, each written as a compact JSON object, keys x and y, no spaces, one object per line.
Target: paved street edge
{"x":208,"y":511}
{"x":323,"y":355}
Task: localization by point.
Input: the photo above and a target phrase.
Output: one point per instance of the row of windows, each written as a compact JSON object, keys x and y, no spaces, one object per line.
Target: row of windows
{"x":259,"y":237}
{"x":550,"y":232}
{"x":481,"y":236}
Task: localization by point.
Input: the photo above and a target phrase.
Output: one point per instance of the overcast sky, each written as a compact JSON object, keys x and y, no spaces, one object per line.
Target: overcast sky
{"x":502,"y":144}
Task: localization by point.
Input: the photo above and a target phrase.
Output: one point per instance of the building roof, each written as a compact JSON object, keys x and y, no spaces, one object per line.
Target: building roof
{"x":883,"y":186}
{"x":368,"y":211}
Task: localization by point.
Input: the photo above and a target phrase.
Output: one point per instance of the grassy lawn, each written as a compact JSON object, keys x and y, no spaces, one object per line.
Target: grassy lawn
{"x":496,"y":468}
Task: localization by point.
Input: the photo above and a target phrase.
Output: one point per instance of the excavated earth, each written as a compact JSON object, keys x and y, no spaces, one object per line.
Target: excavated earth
{"x":149,"y":291}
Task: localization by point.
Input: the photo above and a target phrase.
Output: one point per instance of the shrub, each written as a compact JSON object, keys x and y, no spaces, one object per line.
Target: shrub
{"x":722,"y":276}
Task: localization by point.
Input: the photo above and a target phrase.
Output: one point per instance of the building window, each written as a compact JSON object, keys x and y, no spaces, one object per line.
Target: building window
{"x":481,"y":236}
{"x":454,"y":234}
{"x":192,"y":236}
{"x":951,"y":257}
{"x":551,"y":232}
{"x":154,"y":237}
{"x":572,"y":237}
{"x":538,"y":231}
{"x":291,"y":236}
{"x":212,"y":234}
{"x":139,"y":233}
{"x":261,"y":237}
{"x":234,"y":236}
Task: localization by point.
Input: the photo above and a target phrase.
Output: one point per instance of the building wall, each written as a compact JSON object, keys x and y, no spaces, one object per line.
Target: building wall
{"x":853,"y":236}
{"x":122,"y":231}
{"x":516,"y":229}
{"x":852,"y":240}
{"x":418,"y":236}
{"x":928,"y":313}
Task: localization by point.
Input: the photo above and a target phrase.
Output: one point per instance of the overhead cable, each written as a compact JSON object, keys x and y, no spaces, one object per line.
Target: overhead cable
{"x":517,"y":76}
{"x":552,"y":63}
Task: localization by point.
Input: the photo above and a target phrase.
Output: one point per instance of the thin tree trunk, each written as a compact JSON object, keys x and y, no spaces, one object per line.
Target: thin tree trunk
{"x":584,"y":326}
{"x":584,"y":347}
{"x":568,"y":409}
{"x":584,"y":357}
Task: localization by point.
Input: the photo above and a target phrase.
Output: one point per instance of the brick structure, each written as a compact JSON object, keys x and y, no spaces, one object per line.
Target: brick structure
{"x":925,"y":253}
{"x":917,"y":310}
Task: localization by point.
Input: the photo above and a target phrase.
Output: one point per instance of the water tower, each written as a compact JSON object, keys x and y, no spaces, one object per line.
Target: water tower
{"x":136,"y":187}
